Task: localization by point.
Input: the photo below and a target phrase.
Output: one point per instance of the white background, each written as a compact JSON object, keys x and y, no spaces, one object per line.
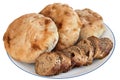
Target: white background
{"x":109,"y":9}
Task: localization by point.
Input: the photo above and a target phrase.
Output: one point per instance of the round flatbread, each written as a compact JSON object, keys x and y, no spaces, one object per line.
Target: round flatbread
{"x":67,"y":21}
{"x":92,"y":23}
{"x":29,"y":36}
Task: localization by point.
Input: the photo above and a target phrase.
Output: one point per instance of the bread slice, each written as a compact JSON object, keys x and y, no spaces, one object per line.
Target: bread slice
{"x":105,"y":47}
{"x":65,"y":62}
{"x":52,"y":63}
{"x":48,"y":64}
{"x":101,"y":46}
{"x":95,"y":43}
{"x":77,"y":56}
{"x":88,"y":49}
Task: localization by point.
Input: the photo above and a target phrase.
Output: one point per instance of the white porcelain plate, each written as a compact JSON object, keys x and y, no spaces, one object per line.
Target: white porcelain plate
{"x":76,"y":71}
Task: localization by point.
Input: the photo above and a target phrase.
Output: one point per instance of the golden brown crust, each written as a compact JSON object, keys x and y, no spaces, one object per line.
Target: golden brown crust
{"x":92,"y":23}
{"x":30,"y":35}
{"x":67,"y":22}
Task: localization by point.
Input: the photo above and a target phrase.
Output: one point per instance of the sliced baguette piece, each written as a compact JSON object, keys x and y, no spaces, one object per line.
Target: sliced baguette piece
{"x":88,"y":49}
{"x":65,"y":62}
{"x":95,"y":43}
{"x":105,"y":47}
{"x":78,"y":57}
{"x":48,"y":64}
{"x":102,"y":46}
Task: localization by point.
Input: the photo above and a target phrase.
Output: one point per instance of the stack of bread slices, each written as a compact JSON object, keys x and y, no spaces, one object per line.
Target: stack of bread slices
{"x":81,"y":54}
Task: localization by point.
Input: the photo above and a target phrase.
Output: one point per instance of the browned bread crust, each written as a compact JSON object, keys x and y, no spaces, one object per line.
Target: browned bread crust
{"x":67,"y":21}
{"x":92,"y":23}
{"x":29,"y":36}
